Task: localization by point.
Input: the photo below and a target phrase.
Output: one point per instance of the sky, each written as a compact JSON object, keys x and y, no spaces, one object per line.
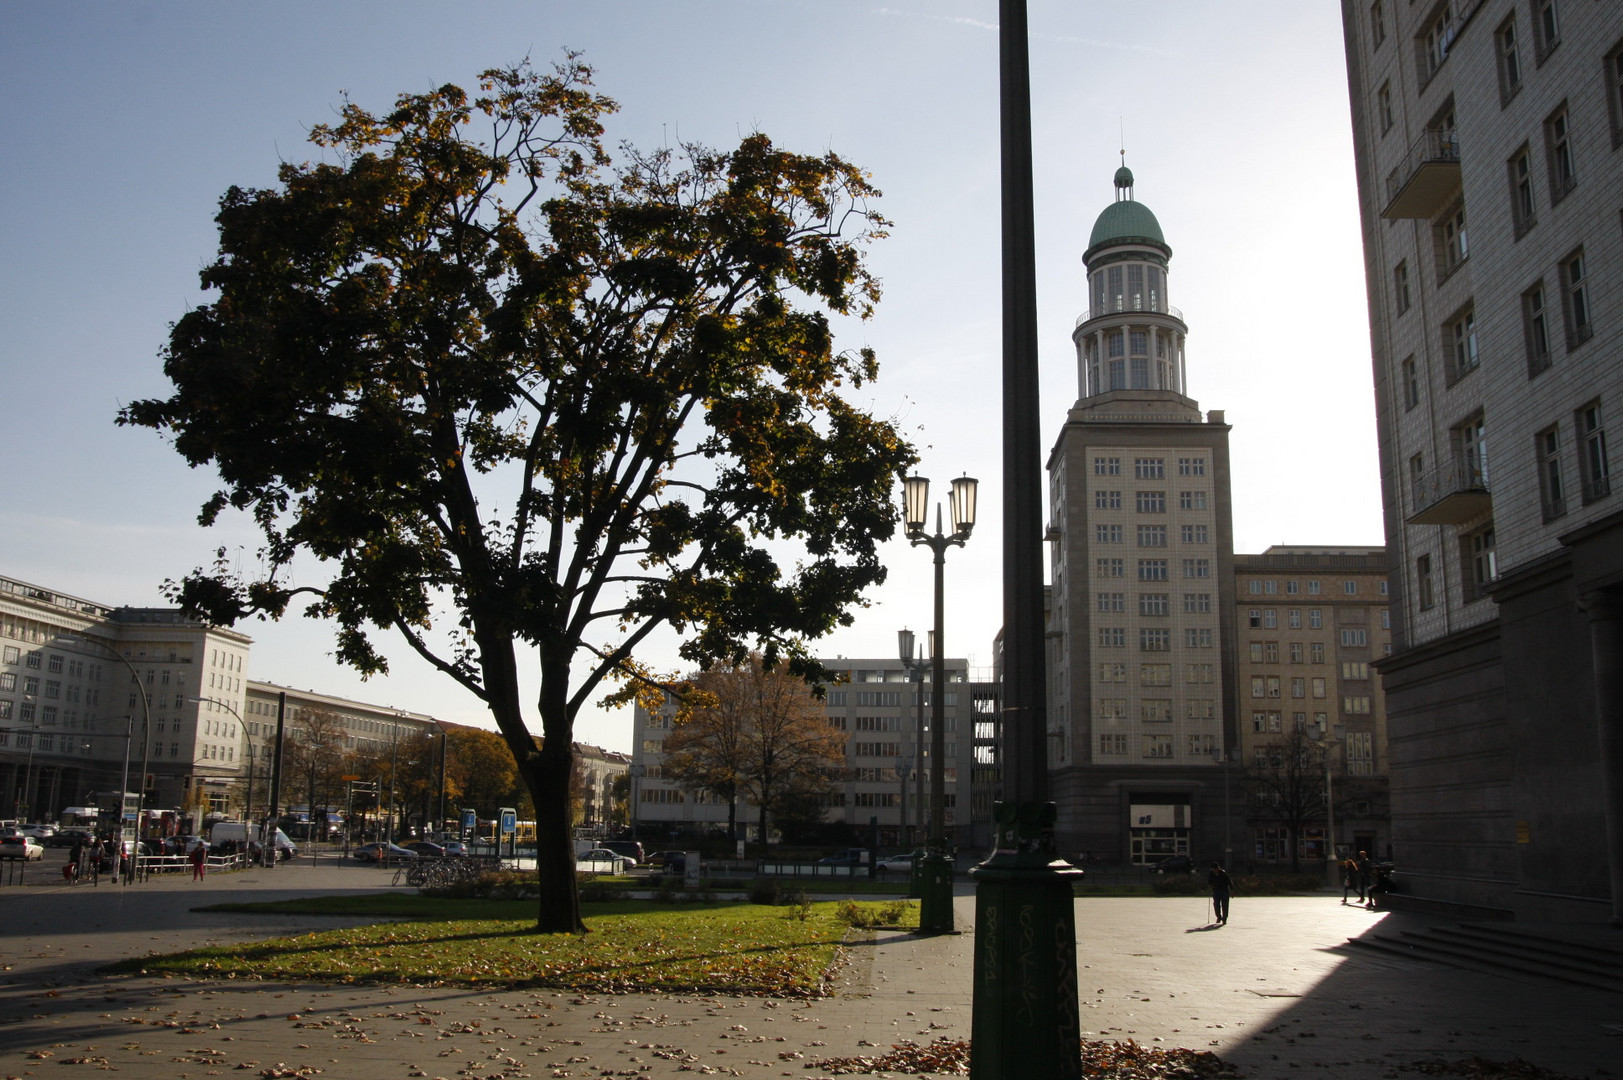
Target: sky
{"x":125,"y":122}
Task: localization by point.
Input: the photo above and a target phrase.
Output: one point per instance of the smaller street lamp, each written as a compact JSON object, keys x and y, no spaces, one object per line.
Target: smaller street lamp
{"x":1320,"y":736}
{"x":935,"y":908}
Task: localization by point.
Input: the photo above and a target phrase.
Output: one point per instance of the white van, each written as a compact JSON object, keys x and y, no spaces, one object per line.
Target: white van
{"x":239,"y":831}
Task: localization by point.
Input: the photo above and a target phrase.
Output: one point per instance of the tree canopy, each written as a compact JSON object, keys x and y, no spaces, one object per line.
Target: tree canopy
{"x":473,"y":364}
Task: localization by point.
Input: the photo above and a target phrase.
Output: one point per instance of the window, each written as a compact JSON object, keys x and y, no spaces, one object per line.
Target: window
{"x":1150,"y":468}
{"x":1107,"y":534}
{"x":1152,"y":536}
{"x":1614,"y":92}
{"x":1111,"y":601}
{"x":1313,"y":588}
{"x":1477,"y":553}
{"x":1109,"y":568}
{"x":1157,"y":746}
{"x":1293,"y":588}
{"x":1349,"y":588}
{"x":1197,"y":638}
{"x":1153,"y":604}
{"x":1319,"y":687}
{"x":1107,"y":466}
{"x":1546,"y":29}
{"x":1113,"y":745}
{"x":1158,"y":639}
{"x":1152,"y":569}
{"x":1296,"y":652}
{"x":1523,"y":207}
{"x":1558,"y":152}
{"x":1315,"y":618}
{"x":1192,"y":466}
{"x":1298,"y":687}
{"x":1377,"y":24}
{"x":1400,"y":286}
{"x":1155,"y":674}
{"x":1355,"y":706}
{"x":1354,"y":638}
{"x":1510,"y":61}
{"x":1453,"y":241}
{"x":1197,"y":568}
{"x":1409,"y":375}
{"x":1592,"y":453}
{"x":1552,"y":489}
{"x":1112,"y":637}
{"x":1256,"y":652}
{"x":1471,"y":447}
{"x":1435,"y":39}
{"x":1459,"y":338}
{"x":1536,"y":329}
{"x":1200,"y":674}
{"x":1107,"y":500}
{"x":1383,"y":106}
{"x":1316,"y":654}
{"x":1293,"y":618}
{"x":1257,"y":686}
{"x":1155,"y":710}
{"x":1273,"y":686}
{"x":1575,"y":292}
{"x":1197,"y":603}
{"x":1150,"y":502}
{"x":1191,"y":500}
{"x":1270,"y":618}
{"x":1423,"y":583}
{"x":1196,"y":534}
{"x":1271,"y":651}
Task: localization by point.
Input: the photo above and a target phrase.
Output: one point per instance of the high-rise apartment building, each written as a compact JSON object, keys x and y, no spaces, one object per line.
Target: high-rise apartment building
{"x":1141,"y":604}
{"x":1489,"y":149}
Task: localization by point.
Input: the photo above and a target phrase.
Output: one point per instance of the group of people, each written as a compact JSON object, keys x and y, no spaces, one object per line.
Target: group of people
{"x":88,"y":856}
{"x":1357,"y":874}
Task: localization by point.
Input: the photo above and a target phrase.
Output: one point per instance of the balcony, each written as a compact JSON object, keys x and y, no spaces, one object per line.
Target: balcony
{"x":1451,"y":495}
{"x":1428,"y":177}
{"x":1153,"y":307}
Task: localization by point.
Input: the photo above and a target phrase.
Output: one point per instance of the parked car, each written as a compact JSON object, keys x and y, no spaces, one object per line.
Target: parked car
{"x":20,"y":847}
{"x":71,"y":835}
{"x":849,"y":857}
{"x":456,"y":849}
{"x":426,"y":850}
{"x":383,"y":853}
{"x":631,"y":849}
{"x":603,"y":861}
{"x":1174,"y":864}
{"x":659,"y":859}
{"x":894,"y":863}
{"x":180,"y":845}
{"x":41,"y":832}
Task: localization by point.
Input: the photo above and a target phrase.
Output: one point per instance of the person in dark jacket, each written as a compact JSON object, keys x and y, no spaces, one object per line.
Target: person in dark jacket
{"x":1222,"y":889}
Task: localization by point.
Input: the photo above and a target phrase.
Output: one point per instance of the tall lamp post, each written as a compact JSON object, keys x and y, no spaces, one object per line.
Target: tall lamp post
{"x":1223,"y":757}
{"x":915,"y":665}
{"x":935,"y":907}
{"x":247,"y":747}
{"x":1319,"y":735}
{"x":1025,"y":1020}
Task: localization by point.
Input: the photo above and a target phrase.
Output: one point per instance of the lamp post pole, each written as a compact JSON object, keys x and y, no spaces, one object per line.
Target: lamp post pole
{"x":935,"y":907}
{"x":1223,"y":756}
{"x":914,"y":664}
{"x":1323,"y":737}
{"x":248,"y":756}
{"x":1025,"y":1020}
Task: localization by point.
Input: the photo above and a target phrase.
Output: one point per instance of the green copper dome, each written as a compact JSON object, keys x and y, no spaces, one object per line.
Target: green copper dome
{"x":1126,"y":220}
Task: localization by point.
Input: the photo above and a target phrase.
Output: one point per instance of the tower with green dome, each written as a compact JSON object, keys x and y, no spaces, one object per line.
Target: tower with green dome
{"x":1142,"y":568}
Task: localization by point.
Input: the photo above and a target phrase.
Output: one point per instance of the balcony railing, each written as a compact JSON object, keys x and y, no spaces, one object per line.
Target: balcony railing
{"x":1427,"y":178}
{"x":1153,"y":307}
{"x":1451,"y":495}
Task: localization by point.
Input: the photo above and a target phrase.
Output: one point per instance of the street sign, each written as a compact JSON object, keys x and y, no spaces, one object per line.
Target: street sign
{"x":470,"y":820}
{"x":509,"y":820}
{"x":348,"y":777}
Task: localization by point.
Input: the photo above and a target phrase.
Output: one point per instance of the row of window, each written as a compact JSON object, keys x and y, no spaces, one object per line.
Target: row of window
{"x":1112,"y":671}
{"x":1152,"y":569}
{"x":1149,"y":468}
{"x":1157,"y":710}
{"x":1114,"y":744}
{"x":1151,"y":535}
{"x":1594,"y":468}
{"x":1149,"y":502}
{"x":1156,"y":639}
{"x":1152,"y":604}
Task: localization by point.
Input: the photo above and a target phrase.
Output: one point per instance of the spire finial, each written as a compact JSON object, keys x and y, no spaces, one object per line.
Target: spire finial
{"x":1124,"y":175}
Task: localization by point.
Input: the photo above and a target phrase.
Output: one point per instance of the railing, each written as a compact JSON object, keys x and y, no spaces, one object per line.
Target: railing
{"x":1451,"y":494}
{"x":1436,"y":146}
{"x":1122,"y":307}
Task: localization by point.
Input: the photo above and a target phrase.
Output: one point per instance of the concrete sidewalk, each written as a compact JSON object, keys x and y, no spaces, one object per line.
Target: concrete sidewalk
{"x":1273,"y":992}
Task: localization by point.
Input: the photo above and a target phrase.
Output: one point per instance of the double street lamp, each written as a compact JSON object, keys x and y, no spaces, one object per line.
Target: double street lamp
{"x":1323,"y":738}
{"x":935,"y":907}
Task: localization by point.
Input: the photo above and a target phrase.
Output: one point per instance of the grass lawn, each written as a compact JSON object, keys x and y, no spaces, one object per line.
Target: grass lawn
{"x":633,"y":946}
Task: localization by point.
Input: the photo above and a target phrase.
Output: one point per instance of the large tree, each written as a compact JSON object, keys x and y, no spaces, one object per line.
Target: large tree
{"x":526,"y":405}
{"x":1285,"y":787}
{"x":754,"y":730}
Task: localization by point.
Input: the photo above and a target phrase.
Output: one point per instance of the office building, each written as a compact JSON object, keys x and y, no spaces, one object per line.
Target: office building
{"x":1488,"y":137}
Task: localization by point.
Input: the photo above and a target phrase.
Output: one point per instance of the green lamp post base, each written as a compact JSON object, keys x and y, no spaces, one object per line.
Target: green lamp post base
{"x":1025,"y":1020}
{"x":935,"y":892}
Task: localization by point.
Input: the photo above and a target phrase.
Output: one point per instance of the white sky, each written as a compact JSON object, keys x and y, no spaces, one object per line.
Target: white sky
{"x":125,"y":122}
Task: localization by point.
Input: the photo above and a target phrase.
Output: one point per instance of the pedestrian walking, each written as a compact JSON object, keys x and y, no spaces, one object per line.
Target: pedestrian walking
{"x":200,"y":860}
{"x":1366,"y":878}
{"x":1349,"y":879}
{"x":1222,"y":889}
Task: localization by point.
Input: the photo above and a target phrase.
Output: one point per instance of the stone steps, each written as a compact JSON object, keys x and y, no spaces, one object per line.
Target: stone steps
{"x":1507,"y":949}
